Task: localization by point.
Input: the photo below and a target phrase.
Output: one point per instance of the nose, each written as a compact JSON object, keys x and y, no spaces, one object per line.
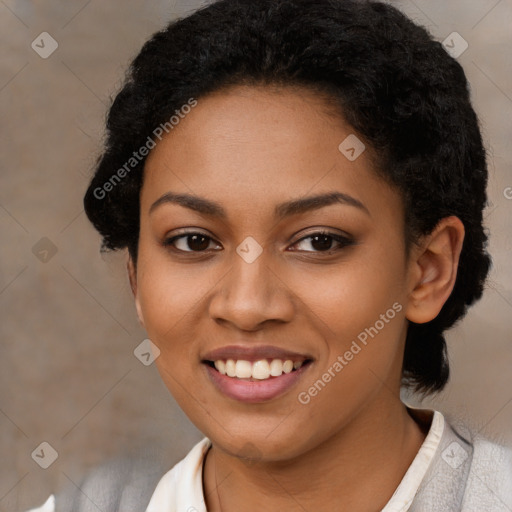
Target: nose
{"x":250,"y":295}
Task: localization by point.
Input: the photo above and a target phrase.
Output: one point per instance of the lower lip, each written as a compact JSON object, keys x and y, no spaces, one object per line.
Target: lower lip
{"x":258,"y":390}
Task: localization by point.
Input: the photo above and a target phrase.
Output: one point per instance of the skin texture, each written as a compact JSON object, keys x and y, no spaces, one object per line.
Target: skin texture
{"x":249,"y":149}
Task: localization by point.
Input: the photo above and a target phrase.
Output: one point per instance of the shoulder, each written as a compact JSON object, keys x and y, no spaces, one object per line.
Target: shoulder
{"x":468,"y":472}
{"x":489,"y":453}
{"x":125,"y":482}
{"x":489,"y":479}
{"x":490,"y":476}
{"x":487,"y":450}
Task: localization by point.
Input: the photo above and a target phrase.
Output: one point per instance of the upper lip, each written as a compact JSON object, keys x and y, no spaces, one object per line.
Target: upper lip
{"x":253,"y":353}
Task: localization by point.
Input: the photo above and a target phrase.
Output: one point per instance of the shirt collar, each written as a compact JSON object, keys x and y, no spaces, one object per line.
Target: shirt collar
{"x":182,"y":486}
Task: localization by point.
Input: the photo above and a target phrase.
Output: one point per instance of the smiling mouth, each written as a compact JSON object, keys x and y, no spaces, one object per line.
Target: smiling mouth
{"x":257,"y":371}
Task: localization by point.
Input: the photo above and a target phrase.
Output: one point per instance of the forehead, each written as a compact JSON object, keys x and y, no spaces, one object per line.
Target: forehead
{"x":254,"y":147}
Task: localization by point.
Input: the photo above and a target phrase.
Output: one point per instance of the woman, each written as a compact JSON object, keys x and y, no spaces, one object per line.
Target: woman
{"x":300,"y":187}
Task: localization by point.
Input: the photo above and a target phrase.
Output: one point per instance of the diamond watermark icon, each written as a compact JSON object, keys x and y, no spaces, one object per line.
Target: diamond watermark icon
{"x":44,"y":45}
{"x":45,"y":455}
{"x":249,"y":250}
{"x":351,"y":147}
{"x":455,"y":45}
{"x":44,"y":250}
{"x":146,"y":352}
{"x":454,"y":455}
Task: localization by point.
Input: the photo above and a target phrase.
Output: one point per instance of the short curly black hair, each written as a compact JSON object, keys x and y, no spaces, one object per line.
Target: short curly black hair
{"x":397,"y":87}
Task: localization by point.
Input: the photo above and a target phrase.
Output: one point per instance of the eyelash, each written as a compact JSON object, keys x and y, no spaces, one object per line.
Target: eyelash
{"x":343,"y":241}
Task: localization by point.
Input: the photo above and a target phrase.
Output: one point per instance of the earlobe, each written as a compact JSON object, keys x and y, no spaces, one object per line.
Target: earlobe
{"x":132,"y":276}
{"x":434,"y":270}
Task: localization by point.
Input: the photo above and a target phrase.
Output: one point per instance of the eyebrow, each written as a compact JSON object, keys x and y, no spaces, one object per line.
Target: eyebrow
{"x":282,"y":210}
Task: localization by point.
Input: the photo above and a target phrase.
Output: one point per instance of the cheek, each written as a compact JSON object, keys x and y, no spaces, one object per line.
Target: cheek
{"x":169,"y":291}
{"x":169,"y":303}
{"x":351,"y":297}
{"x":168,"y":296}
{"x":362,"y":320}
{"x":360,"y":305}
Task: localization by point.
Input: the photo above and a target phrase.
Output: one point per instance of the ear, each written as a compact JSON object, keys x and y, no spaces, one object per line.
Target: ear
{"x":132,"y":275}
{"x":434,"y":270}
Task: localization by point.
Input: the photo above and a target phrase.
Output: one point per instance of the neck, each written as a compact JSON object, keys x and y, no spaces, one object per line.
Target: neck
{"x":360,"y":467}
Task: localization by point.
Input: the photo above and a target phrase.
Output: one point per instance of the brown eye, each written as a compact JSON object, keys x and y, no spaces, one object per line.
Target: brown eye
{"x":322,"y":241}
{"x":189,"y":242}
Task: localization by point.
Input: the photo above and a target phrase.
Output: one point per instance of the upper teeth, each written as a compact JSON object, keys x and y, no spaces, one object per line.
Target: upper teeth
{"x":260,"y":370}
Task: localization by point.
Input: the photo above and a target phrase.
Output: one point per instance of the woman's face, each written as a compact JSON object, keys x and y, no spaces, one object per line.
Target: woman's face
{"x":260,"y":283}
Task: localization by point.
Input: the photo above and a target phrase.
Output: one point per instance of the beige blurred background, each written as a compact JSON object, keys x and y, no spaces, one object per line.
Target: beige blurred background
{"x":68,"y":326}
